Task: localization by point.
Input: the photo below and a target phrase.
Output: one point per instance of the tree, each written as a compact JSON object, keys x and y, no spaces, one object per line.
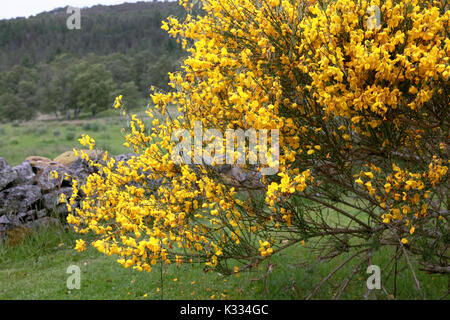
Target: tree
{"x":26,"y":91}
{"x":120,"y":67}
{"x":125,"y":38}
{"x":13,"y":108}
{"x":126,"y":28}
{"x":362,"y":113}
{"x":92,"y":89}
{"x":157,"y":74}
{"x":131,"y":95}
{"x":58,"y":78}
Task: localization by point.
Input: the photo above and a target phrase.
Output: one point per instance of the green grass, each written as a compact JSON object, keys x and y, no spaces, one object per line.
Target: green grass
{"x":51,"y":138}
{"x":36,"y":269}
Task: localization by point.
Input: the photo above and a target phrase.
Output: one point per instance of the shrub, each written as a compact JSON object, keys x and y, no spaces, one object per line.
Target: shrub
{"x":70,"y":136}
{"x":92,"y":126}
{"x":42,"y":131}
{"x":362,"y":110}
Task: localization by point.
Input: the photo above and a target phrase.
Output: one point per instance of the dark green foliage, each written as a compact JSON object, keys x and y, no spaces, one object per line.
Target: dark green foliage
{"x":45,"y":68}
{"x":12,"y":107}
{"x":128,"y":29}
{"x":131,"y":94}
{"x":92,"y":88}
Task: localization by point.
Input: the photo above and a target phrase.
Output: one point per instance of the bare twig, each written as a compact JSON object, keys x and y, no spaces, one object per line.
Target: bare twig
{"x":412,"y":270}
{"x":338,"y":293}
{"x":434,"y":269}
{"x":333,"y":272}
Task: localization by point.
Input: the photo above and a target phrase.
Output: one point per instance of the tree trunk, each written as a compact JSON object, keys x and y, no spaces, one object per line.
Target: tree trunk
{"x":76,"y":113}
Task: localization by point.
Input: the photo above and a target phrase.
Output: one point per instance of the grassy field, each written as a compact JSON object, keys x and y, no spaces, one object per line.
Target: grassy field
{"x":50,"y":138}
{"x":36,"y":269}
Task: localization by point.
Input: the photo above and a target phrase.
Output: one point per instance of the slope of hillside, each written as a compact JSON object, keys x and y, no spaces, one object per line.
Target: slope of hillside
{"x":45,"y":68}
{"x":125,"y":28}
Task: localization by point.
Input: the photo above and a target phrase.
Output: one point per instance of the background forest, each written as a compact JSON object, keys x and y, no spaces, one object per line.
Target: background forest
{"x":45,"y":68}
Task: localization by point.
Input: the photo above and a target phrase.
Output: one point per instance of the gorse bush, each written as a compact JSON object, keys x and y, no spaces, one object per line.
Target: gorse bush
{"x":361,"y":104}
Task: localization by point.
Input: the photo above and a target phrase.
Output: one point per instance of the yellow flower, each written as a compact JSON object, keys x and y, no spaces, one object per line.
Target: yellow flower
{"x":319,"y":77}
{"x":54,"y":174}
{"x":118,"y":102}
{"x":80,"y":245}
{"x":369,"y":174}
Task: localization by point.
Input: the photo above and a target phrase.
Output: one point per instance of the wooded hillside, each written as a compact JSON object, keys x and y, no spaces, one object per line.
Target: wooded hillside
{"x":47,"y":68}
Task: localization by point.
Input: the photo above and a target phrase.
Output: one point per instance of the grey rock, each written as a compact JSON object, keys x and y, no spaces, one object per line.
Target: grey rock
{"x":62,"y":210}
{"x":23,"y":215}
{"x":80,"y":169}
{"x":223,"y":168}
{"x":52,"y":200}
{"x":240,"y":177}
{"x":18,"y":199}
{"x":27,"y":216}
{"x":7,"y":174}
{"x":124,"y":157}
{"x":4,"y":220}
{"x":9,"y":221}
{"x":25,"y":174}
{"x":238,"y":173}
{"x":41,"y":213}
{"x":47,"y":182}
{"x":42,"y":222}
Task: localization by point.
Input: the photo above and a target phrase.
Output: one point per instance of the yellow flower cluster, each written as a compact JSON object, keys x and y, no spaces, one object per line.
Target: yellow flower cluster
{"x":118,"y":102}
{"x":265,"y":248}
{"x":356,"y":70}
{"x":403,"y":195}
{"x":86,"y":140}
{"x":336,"y":90}
{"x":80,"y":245}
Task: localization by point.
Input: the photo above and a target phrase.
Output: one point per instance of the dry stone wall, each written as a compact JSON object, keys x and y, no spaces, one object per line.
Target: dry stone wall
{"x":29,"y":193}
